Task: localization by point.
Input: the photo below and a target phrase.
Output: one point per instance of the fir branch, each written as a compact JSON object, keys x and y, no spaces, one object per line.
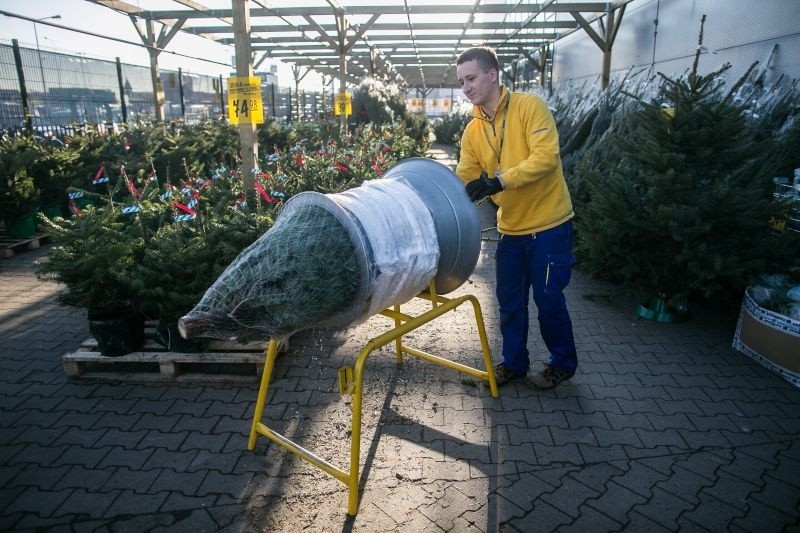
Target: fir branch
{"x":693,"y":74}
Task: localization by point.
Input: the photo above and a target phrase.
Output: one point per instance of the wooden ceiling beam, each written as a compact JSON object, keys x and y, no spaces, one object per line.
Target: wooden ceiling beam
{"x":384,"y":26}
{"x":369,"y":10}
{"x":309,"y":35}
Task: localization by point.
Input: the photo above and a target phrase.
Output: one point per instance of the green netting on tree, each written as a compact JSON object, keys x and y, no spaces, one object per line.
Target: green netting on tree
{"x":301,"y":272}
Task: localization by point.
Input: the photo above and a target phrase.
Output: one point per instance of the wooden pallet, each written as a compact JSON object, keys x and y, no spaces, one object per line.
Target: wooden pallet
{"x":9,"y":244}
{"x":225,"y":362}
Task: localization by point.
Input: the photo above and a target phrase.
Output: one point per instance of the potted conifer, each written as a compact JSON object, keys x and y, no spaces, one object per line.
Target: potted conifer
{"x":93,"y":259}
{"x":188,"y":251}
{"x":19,"y":199}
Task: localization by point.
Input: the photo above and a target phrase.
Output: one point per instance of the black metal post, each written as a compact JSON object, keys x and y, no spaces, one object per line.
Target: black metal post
{"x":221,"y":98}
{"x":23,"y":91}
{"x":180,"y":92}
{"x":123,"y":105}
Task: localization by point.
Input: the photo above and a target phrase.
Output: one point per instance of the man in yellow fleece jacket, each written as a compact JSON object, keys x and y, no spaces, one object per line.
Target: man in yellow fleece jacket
{"x":510,"y":151}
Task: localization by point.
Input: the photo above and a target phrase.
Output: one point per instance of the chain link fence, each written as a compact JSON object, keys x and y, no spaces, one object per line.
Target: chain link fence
{"x":55,"y":93}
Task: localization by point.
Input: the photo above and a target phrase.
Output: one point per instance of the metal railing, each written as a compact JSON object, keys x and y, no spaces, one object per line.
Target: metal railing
{"x":49,"y":92}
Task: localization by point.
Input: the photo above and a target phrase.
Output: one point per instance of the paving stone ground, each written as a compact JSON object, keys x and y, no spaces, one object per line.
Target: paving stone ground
{"x":664,"y":428}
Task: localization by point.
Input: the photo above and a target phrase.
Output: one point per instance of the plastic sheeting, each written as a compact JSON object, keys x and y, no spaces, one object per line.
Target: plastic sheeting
{"x":402,"y":239}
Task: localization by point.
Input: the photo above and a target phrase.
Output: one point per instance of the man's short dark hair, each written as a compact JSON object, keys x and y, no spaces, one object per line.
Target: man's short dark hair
{"x":484,"y":55}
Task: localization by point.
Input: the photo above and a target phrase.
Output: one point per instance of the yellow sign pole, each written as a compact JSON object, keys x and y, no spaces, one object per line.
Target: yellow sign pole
{"x":248,"y":139}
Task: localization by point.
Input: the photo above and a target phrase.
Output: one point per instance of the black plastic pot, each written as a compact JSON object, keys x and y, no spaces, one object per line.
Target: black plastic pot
{"x":117,"y":333}
{"x":21,"y":227}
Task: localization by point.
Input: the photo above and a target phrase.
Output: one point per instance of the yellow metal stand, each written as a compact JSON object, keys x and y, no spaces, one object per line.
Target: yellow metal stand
{"x":351,"y":382}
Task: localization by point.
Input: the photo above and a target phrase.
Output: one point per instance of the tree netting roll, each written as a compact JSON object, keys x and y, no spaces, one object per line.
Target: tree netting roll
{"x":330,"y":260}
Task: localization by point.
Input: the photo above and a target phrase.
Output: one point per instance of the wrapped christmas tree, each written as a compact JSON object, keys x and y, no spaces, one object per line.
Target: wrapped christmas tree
{"x":332,"y":260}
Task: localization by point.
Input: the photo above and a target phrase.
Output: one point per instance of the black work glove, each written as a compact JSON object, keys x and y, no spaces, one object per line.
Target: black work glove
{"x":483,"y":186}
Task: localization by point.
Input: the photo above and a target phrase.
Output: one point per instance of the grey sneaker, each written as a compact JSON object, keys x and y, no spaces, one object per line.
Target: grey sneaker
{"x":503,"y":375}
{"x":548,"y":377}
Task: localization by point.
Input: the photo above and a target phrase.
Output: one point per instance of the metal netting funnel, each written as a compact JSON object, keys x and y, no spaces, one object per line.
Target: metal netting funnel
{"x":455,"y":217}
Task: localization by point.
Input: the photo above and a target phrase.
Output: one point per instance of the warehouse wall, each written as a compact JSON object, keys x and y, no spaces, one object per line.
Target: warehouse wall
{"x":738,"y":32}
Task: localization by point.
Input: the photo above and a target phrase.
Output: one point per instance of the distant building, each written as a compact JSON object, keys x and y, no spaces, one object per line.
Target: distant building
{"x":434,"y":102}
{"x":269,"y":78}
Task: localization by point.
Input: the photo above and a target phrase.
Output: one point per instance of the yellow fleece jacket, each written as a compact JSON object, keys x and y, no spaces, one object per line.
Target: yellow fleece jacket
{"x":535,"y":197}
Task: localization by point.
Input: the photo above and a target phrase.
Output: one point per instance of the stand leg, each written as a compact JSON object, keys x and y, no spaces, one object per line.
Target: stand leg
{"x":399,"y":341}
{"x":355,"y":430}
{"x":487,"y":355}
{"x":272,"y":352}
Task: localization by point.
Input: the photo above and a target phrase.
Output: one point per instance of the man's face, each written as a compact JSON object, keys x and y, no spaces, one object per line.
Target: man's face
{"x":478,"y":86}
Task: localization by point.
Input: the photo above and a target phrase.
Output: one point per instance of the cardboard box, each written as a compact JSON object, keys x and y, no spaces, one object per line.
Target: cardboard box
{"x":770,"y":338}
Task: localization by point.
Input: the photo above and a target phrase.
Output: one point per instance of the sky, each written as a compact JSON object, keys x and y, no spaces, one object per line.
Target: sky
{"x":104,"y":21}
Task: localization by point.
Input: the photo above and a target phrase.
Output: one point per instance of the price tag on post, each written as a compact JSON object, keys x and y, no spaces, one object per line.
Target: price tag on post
{"x":342,"y":104}
{"x":245,"y":105}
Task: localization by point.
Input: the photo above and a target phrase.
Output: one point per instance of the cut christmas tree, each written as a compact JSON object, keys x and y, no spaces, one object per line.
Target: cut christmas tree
{"x":685,"y":210}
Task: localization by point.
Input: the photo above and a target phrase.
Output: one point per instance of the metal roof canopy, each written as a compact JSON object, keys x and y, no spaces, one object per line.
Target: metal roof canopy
{"x":409,"y":46}
{"x":412,"y":42}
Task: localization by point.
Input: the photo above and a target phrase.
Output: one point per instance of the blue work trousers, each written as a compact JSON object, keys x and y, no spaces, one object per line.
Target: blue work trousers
{"x":542,"y":261}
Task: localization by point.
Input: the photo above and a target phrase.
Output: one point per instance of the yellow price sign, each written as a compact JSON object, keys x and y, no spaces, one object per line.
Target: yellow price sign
{"x":342,"y":104}
{"x":245,"y":105}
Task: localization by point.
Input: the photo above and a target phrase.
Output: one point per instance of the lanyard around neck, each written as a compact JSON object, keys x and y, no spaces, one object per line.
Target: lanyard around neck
{"x":503,"y":131}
